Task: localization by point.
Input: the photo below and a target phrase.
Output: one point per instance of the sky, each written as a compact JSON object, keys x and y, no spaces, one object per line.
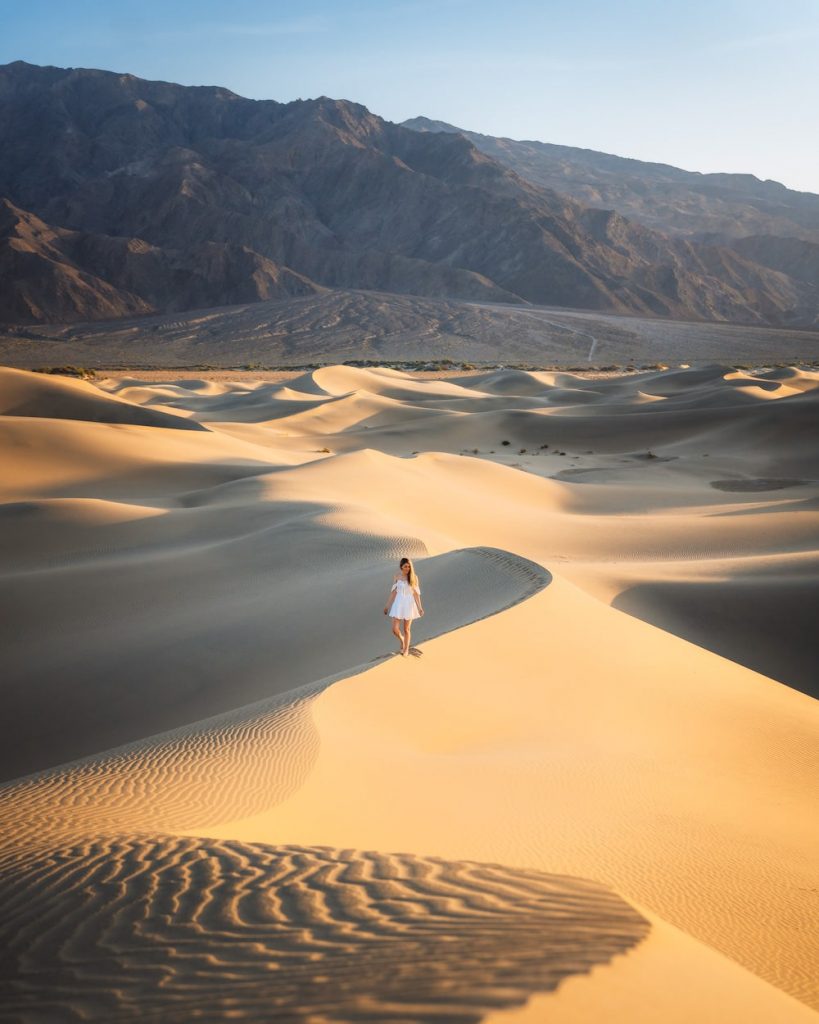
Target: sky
{"x":726,"y":85}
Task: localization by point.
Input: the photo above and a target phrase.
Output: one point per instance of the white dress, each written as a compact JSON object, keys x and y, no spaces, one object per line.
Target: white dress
{"x":404,"y":606}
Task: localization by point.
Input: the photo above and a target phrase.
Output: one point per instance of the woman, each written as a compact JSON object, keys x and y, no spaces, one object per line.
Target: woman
{"x":407,"y":603}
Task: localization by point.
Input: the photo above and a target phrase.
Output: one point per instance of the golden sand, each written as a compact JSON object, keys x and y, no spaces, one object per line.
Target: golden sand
{"x":589,"y":794}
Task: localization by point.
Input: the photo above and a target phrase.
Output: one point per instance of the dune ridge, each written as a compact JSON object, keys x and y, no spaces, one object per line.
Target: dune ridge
{"x":256,"y":638}
{"x":193,"y":776}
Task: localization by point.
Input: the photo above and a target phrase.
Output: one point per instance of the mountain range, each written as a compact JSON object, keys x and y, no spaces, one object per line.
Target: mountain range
{"x":120,"y":196}
{"x":713,"y":208}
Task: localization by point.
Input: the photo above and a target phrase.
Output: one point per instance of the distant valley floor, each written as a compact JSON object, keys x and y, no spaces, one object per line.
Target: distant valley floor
{"x":339,"y":325}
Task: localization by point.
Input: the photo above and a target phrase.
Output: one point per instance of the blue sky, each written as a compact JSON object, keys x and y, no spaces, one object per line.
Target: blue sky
{"x":730,"y":85}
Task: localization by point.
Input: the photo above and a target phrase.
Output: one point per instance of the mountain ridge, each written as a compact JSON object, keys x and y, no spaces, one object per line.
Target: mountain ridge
{"x":581,"y":173}
{"x":217,"y":196}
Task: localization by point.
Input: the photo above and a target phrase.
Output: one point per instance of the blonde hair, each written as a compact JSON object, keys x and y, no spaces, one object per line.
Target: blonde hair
{"x":412,"y":578}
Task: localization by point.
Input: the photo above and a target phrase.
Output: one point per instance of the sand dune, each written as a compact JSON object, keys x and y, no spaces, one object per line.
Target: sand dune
{"x":28,"y":394}
{"x":221,"y":775}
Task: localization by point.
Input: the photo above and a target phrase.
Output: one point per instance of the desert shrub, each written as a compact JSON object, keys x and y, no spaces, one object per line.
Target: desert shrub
{"x":67,"y":371}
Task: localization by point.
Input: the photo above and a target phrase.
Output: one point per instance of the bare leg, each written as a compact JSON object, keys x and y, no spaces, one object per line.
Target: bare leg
{"x":407,"y":628}
{"x":396,"y":628}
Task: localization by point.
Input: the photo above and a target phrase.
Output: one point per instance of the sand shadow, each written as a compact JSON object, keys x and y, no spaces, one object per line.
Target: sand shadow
{"x":760,"y":620}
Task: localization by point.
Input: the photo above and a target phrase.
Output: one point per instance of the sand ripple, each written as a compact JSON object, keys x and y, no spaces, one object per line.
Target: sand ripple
{"x":170,"y":929}
{"x":231,"y":765}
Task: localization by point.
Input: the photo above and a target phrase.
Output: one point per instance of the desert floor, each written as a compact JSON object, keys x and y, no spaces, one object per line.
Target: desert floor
{"x":339,"y":325}
{"x":588,"y":794}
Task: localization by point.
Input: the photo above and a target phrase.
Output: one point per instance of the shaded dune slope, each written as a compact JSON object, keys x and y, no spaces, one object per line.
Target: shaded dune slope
{"x":752,"y":605}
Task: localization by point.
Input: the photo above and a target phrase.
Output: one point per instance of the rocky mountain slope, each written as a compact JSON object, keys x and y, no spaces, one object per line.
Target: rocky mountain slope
{"x":127,"y":196}
{"x":59,"y":274}
{"x":763,"y":221}
{"x":707,"y":207}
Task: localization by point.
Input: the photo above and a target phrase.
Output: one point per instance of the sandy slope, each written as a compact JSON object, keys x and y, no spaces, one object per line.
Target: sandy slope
{"x":152,"y":577}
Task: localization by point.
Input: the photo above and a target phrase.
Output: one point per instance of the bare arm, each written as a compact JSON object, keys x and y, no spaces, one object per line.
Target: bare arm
{"x":387,"y":605}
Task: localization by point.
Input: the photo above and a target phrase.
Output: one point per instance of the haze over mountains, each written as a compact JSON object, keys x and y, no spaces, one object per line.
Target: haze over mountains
{"x":123,"y":196}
